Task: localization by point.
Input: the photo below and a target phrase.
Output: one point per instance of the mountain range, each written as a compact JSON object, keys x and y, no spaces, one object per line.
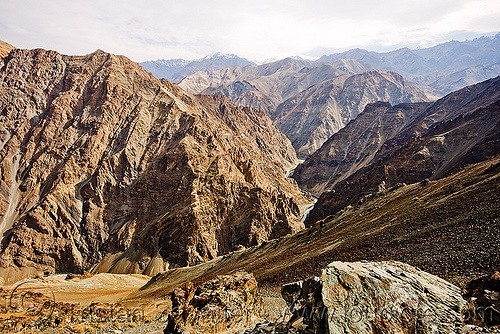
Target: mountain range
{"x":175,"y":70}
{"x":308,"y":101}
{"x":445,"y":67}
{"x":312,"y":100}
{"x":387,"y":145}
{"x":448,"y":62}
{"x":105,"y":166}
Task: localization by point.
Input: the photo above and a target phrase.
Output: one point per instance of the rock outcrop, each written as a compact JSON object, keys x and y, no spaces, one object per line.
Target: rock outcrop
{"x":224,"y":304}
{"x":102,"y":163}
{"x":483,"y":296}
{"x":389,"y":297}
{"x":305,"y":303}
{"x":403,"y":144}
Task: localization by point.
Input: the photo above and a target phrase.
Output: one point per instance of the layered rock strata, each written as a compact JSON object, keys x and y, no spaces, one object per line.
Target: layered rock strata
{"x":389,"y":297}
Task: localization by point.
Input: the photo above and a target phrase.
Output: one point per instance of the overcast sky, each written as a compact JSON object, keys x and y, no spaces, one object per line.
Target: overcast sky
{"x":152,"y":29}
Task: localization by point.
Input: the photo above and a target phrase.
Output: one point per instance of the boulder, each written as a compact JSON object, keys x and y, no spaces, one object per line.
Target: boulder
{"x":226,"y":303}
{"x":371,"y":297}
{"x":305,"y":301}
{"x":389,"y":297}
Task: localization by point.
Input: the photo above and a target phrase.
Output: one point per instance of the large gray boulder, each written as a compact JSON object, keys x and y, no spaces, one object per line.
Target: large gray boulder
{"x":389,"y":297}
{"x":373,"y":298}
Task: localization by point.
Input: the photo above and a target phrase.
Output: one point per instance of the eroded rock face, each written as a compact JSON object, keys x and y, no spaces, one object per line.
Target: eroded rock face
{"x":370,"y":297}
{"x":226,"y":303}
{"x":102,"y":163}
{"x":356,"y":145}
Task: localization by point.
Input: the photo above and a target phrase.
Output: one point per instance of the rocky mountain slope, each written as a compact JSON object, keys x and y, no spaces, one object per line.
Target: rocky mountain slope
{"x":309,"y":102}
{"x":103,"y":164}
{"x":309,"y":118}
{"x":445,"y":227}
{"x":177,"y":69}
{"x":437,"y":65}
{"x":387,"y":145}
{"x":356,"y":146}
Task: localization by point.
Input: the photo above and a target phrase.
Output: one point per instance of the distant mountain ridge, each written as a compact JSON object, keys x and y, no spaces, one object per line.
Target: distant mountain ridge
{"x":430,"y":66}
{"x":175,"y":70}
{"x":308,"y":101}
{"x":434,"y":66}
{"x":312,"y":116}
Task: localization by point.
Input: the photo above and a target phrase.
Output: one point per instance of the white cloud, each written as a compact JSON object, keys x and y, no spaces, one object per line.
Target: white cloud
{"x":189,"y":29}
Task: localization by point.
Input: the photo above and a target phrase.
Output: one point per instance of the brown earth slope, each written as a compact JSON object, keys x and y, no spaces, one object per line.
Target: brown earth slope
{"x":102,"y":163}
{"x":355,"y":146}
{"x":448,"y":227}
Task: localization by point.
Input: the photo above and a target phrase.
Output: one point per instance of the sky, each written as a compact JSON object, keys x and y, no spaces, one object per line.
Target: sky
{"x":257,"y":30}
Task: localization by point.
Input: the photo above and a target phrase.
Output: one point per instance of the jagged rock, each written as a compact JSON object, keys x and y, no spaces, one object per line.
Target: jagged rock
{"x":71,"y":276}
{"x":227,"y":303}
{"x":304,"y":299}
{"x":483,"y":295}
{"x":103,"y":164}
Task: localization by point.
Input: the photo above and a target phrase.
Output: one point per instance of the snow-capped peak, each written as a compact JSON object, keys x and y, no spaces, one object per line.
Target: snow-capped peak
{"x":219,"y":55}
